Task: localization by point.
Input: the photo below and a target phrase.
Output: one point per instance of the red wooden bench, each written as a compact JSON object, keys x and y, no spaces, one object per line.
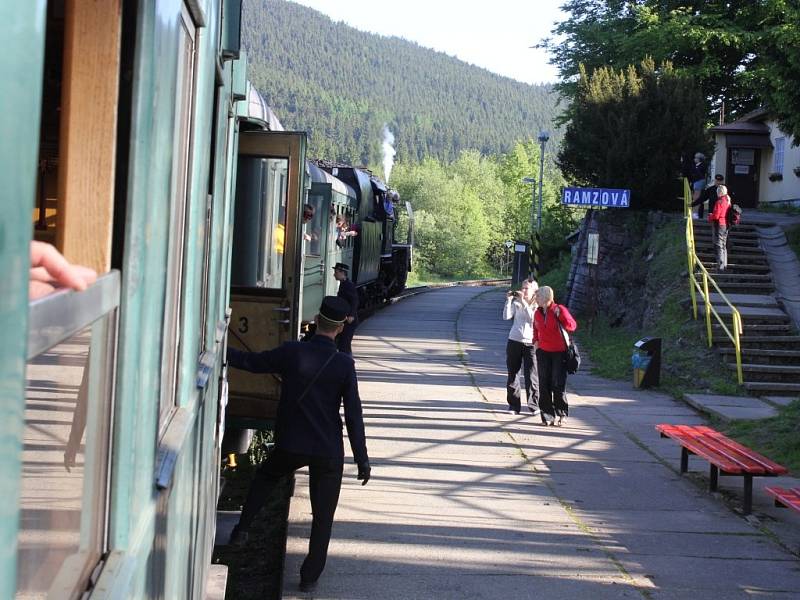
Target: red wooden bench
{"x":783,"y":497}
{"x":725,"y":456}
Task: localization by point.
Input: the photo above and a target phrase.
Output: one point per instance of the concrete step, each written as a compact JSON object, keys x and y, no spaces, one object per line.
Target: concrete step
{"x":735,"y":258}
{"x":777,"y":352}
{"x":754,"y":329}
{"x":756,"y":314}
{"x":761,"y":342}
{"x":705,"y":241}
{"x":740,"y":229}
{"x":746,"y":288}
{"x":751,"y":368}
{"x":733,"y":250}
{"x":762,"y":356}
{"x":740,"y":300}
{"x":778,"y":388}
{"x":740,"y":268}
{"x":733,"y":277}
{"x":754,"y":373}
{"x":702,"y":239}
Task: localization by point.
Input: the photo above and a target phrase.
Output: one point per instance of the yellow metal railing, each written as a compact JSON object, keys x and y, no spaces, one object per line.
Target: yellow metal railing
{"x":702,"y":286}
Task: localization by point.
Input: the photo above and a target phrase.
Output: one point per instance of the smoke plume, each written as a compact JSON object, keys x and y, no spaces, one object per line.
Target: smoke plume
{"x":388,"y":152}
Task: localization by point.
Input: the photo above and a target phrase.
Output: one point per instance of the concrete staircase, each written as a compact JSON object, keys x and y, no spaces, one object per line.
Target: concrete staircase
{"x":770,"y":346}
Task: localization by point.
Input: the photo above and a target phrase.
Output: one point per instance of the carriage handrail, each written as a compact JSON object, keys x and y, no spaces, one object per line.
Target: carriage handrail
{"x":737,"y":325}
{"x":55,"y":317}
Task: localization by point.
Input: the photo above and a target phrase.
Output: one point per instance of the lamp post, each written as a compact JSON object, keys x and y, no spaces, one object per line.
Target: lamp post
{"x":543,"y":137}
{"x":532,"y":181}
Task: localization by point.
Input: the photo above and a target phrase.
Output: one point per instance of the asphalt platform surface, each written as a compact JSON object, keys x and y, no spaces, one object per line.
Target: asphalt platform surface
{"x":469,"y":501}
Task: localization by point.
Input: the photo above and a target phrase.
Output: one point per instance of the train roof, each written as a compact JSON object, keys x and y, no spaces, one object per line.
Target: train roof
{"x":258,"y":110}
{"x":320,"y":176}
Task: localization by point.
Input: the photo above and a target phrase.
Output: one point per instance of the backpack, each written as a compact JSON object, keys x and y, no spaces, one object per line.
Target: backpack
{"x":734,"y":215}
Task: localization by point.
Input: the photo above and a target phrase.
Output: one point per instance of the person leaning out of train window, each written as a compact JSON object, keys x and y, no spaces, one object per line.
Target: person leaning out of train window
{"x":316,"y":381}
{"x":308,"y":216}
{"x":520,"y":351}
{"x":343,"y":230}
{"x":719,"y":226}
{"x":551,"y":355}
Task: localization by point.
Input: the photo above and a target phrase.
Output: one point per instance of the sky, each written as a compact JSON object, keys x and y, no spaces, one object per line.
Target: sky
{"x":494,"y":34}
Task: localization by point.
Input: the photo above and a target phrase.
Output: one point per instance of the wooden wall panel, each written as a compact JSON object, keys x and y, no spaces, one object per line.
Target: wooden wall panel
{"x":88,"y":131}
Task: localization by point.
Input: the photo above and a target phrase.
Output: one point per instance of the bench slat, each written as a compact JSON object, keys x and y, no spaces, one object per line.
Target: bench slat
{"x":770,"y":466}
{"x":789,"y":498}
{"x":695,"y":447}
{"x":742,"y":463}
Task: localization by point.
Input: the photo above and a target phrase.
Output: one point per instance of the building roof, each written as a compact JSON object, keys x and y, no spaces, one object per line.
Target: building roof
{"x":742,"y":126}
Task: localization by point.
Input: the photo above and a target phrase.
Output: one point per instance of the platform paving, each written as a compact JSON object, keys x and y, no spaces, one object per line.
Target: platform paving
{"x":467,"y":501}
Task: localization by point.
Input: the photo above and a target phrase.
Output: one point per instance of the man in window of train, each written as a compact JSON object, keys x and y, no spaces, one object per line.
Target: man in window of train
{"x":349,"y":293}
{"x":317,"y":380}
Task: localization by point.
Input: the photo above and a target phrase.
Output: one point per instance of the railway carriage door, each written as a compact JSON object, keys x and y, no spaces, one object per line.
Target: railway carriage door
{"x":266,"y":269}
{"x":315,"y":234}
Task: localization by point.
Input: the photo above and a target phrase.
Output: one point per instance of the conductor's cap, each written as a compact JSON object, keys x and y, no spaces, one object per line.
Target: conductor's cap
{"x":334,"y":309}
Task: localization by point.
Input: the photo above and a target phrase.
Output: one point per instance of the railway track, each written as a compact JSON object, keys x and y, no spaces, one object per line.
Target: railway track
{"x":413,"y":291}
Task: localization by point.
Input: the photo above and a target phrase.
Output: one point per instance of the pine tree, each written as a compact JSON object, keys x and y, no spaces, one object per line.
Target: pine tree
{"x":629,"y":128}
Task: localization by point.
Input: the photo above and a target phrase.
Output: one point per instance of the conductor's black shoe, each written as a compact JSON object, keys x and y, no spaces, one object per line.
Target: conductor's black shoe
{"x":307,"y":586}
{"x":238,"y":537}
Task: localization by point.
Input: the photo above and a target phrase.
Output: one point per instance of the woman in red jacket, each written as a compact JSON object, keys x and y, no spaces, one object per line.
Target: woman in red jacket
{"x":719,"y":226}
{"x":551,"y":355}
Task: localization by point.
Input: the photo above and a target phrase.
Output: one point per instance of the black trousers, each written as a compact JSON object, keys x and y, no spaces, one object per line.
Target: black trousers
{"x":518,"y":355}
{"x":345,"y":339}
{"x":325,"y":480}
{"x":552,"y":383}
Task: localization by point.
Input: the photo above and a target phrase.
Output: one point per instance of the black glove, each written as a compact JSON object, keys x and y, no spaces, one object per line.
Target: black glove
{"x":364,"y":472}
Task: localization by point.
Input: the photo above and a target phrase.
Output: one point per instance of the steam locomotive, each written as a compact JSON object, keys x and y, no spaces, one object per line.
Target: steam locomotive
{"x":294,"y":219}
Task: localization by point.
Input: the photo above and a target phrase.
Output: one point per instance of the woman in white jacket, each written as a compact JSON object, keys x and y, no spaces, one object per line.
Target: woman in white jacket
{"x":519,"y":309}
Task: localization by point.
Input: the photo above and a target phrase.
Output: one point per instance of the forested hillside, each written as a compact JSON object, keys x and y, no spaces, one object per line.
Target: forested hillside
{"x":342,"y":85}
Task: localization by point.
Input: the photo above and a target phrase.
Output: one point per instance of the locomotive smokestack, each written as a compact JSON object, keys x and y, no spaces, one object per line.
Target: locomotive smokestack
{"x":388,"y":152}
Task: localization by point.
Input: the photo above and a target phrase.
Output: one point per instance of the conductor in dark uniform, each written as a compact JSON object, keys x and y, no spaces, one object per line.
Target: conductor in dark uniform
{"x":349,"y":293}
{"x":317,"y":379}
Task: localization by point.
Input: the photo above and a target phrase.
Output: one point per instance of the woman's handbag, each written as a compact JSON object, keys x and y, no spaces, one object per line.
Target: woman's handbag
{"x":573,"y":359}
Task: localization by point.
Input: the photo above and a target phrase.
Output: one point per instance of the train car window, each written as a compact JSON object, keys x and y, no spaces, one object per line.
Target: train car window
{"x":312,"y":229}
{"x":274,"y":229}
{"x":64,"y":492}
{"x":184,"y":104}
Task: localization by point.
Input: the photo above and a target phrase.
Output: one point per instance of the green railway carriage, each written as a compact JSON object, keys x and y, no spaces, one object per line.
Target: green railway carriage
{"x":329,"y":198}
{"x":120,"y":136}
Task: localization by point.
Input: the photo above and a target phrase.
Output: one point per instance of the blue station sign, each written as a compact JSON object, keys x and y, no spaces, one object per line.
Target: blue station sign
{"x":600,"y":197}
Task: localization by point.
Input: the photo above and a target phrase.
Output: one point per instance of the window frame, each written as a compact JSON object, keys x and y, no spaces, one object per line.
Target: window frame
{"x":179,"y":212}
{"x":779,"y":155}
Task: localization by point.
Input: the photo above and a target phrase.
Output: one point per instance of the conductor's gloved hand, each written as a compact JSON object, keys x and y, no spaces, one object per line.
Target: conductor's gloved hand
{"x":364,"y":472}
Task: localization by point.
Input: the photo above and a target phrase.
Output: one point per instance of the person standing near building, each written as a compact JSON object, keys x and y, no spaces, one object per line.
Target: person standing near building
{"x":708,"y":195}
{"x":551,"y":355}
{"x":719,"y":226}
{"x":697,"y":175}
{"x":316,"y":381}
{"x":349,"y":293}
{"x":520,"y":353}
